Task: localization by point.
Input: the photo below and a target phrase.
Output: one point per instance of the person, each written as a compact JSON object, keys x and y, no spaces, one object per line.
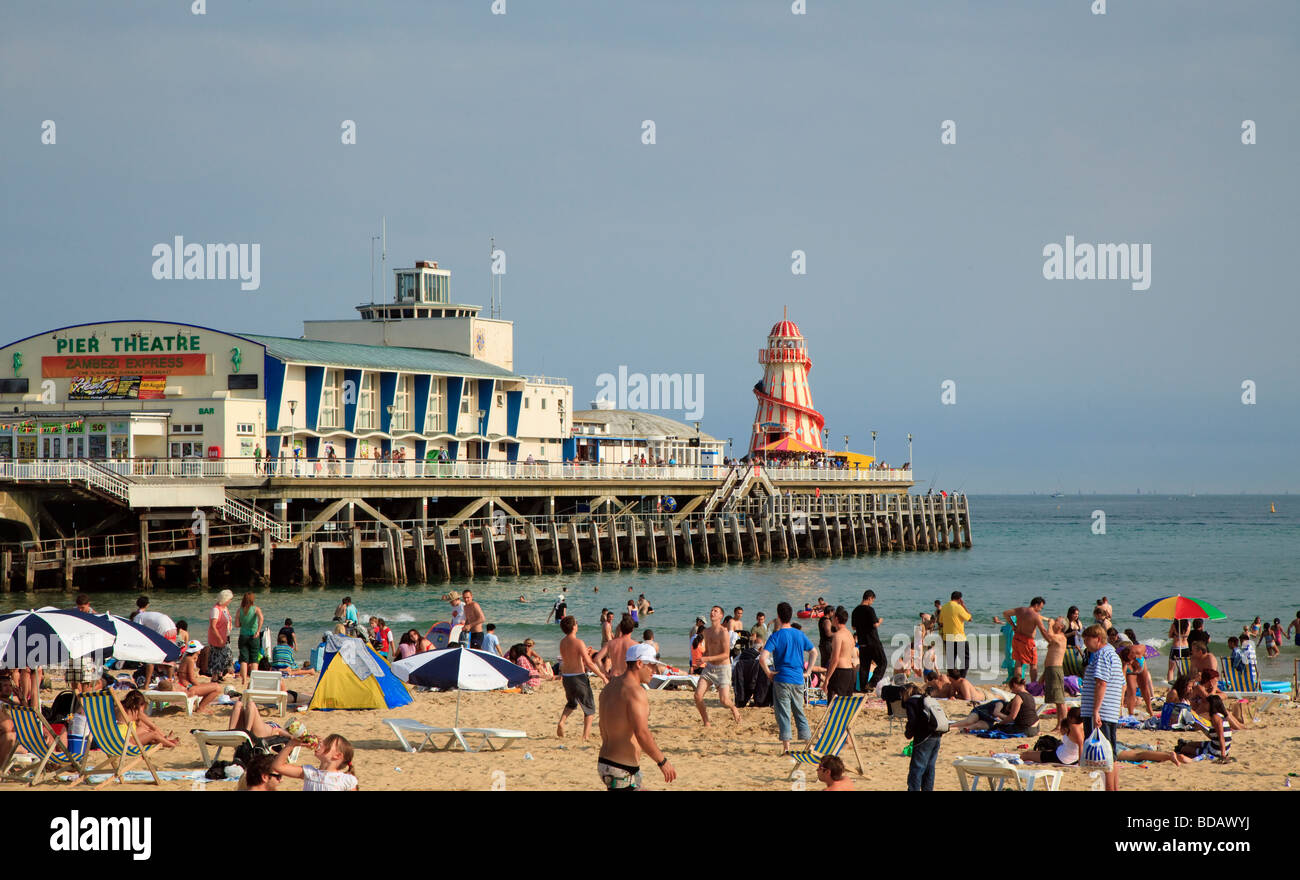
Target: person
{"x":83,"y":604}
{"x":1102,"y":613}
{"x":648,"y":638}
{"x":632,"y":612}
{"x":187,"y":680}
{"x":867,"y":626}
{"x":785,"y":649}
{"x":956,"y":651}
{"x":1026,"y":619}
{"x":830,"y":772}
{"x":1020,"y":715}
{"x":560,"y":609}
{"x":457,"y":609}
{"x":136,"y":708}
{"x":182,"y":632}
{"x":575,"y":663}
{"x":250,"y":646}
{"x":518,"y":655}
{"x":1208,"y":686}
{"x":1074,"y":627}
{"x":287,"y":630}
{"x":474,"y":620}
{"x":943,"y":687}
{"x":926,"y":725}
{"x":1218,"y":733}
{"x":259,"y":775}
{"x":1101,"y":692}
{"x":738,"y":619}
{"x":1295,"y":625}
{"x":759,"y":629}
{"x":335,"y":772}
{"x":717,"y":667}
{"x":1054,"y":668}
{"x":257,"y":459}
{"x":611,"y":656}
{"x":1200,"y":634}
{"x":1202,"y":659}
{"x":1070,"y":747}
{"x":1247,"y":649}
{"x":406,"y":647}
{"x":643,"y":606}
{"x":543,"y":668}
{"x":219,"y":624}
{"x":282,"y":657}
{"x":246,"y":717}
{"x":625,"y":725}
{"x":1269,"y":638}
{"x":840,"y":675}
{"x":491,"y":643}
{"x":1137,"y":679}
{"x":1178,"y":630}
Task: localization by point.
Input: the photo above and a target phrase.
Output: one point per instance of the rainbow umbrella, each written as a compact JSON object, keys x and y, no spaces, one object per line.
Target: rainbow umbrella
{"x":1179,"y":608}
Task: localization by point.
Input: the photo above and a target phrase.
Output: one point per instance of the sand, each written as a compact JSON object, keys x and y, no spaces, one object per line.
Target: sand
{"x":740,"y":756}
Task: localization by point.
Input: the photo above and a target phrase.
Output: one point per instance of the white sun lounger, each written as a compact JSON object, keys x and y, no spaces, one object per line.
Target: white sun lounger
{"x":171,"y":698}
{"x":490,"y":738}
{"x":264,"y":687}
{"x":227,"y":739}
{"x":999,"y":772}
{"x":661,"y":682}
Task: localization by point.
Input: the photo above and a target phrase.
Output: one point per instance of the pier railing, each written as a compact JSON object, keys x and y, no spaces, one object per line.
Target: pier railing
{"x":101,"y":472}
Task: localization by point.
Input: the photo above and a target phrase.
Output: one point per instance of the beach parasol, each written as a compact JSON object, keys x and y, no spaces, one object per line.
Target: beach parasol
{"x":50,"y":637}
{"x":1179,"y":608}
{"x":142,"y":644}
{"x":461,"y":668}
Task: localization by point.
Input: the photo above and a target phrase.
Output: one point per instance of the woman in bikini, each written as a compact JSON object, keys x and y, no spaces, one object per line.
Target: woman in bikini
{"x":135,"y":708}
{"x":1178,"y":630}
{"x":187,"y":680}
{"x":1136,"y":677}
{"x":1074,"y":627}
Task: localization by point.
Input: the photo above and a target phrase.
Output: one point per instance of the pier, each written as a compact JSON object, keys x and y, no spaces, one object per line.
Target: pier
{"x":81,"y":524}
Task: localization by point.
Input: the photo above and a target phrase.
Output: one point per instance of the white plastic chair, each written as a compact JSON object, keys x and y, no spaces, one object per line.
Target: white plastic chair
{"x":998,"y":772}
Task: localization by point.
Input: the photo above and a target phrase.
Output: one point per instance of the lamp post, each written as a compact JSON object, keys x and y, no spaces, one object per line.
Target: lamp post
{"x":560,"y":406}
{"x":482,"y":429}
{"x":699,"y":455}
{"x":910,"y":463}
{"x":846,"y":442}
{"x":873,"y":447}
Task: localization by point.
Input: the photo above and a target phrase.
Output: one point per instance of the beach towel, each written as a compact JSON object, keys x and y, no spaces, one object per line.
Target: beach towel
{"x":1035,"y":688}
{"x":995,"y":734}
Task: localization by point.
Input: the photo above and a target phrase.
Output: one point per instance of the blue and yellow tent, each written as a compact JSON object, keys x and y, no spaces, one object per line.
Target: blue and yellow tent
{"x":354,"y":676}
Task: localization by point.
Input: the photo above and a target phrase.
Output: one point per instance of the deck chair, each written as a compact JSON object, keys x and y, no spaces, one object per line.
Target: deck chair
{"x":999,"y":772}
{"x":1074,"y":662}
{"x":835,"y":728}
{"x":1182,"y":666}
{"x":171,"y":698}
{"x":1244,"y":685}
{"x":227,"y":739}
{"x":115,"y":737}
{"x":264,"y":687}
{"x":36,"y":736}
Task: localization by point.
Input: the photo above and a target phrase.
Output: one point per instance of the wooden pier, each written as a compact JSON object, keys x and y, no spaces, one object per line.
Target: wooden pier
{"x":399,"y":531}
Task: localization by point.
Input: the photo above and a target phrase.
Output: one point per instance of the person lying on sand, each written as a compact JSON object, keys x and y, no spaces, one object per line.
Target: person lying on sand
{"x":946,"y":688}
{"x":1067,"y":753}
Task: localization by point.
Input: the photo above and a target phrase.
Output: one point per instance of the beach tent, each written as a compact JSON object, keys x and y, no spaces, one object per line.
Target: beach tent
{"x":354,"y":676}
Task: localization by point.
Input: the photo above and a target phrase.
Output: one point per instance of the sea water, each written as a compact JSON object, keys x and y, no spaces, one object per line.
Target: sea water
{"x":1229,"y":550}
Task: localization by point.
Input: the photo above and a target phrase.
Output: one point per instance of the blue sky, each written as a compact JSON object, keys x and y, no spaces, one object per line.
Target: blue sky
{"x":775,"y":132}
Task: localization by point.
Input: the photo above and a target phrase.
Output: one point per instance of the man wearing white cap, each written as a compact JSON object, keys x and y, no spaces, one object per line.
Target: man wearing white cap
{"x":625,"y":725}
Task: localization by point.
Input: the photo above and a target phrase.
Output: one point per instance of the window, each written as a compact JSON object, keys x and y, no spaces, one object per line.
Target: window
{"x":526,"y":400}
{"x":187,"y":449}
{"x":406,"y":285}
{"x":366,"y":402}
{"x":433,"y":415}
{"x":543,"y":403}
{"x":501,"y":400}
{"x":245,"y":428}
{"x":501,"y":447}
{"x":188,"y":429}
{"x":402,"y":405}
{"x":329,"y":400}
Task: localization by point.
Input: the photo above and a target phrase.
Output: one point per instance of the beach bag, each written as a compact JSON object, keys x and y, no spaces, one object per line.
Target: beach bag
{"x":1097,"y":753}
{"x":1046,"y":743}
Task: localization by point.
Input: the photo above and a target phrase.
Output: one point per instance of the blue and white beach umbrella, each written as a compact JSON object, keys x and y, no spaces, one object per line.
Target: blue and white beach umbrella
{"x":132,"y":641}
{"x":461,"y":668}
{"x":50,"y":637}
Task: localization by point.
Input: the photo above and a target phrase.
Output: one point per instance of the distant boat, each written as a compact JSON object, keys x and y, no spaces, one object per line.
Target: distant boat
{"x":1271,"y":508}
{"x":1058,"y":494}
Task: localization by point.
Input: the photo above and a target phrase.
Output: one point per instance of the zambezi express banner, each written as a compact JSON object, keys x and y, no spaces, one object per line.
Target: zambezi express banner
{"x":117,"y":388}
{"x":68,"y":366}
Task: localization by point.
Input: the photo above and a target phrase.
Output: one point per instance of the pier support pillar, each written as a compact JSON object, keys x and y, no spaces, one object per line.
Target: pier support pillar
{"x":357,"y":577}
{"x":145,"y":581}
{"x":790,"y":537}
{"x":68,"y":551}
{"x":575,"y":548}
{"x":304,"y":563}
{"x":490,"y":545}
{"x":720,"y":537}
{"x":670,"y":540}
{"x":512,"y":551}
{"x":30,"y":574}
{"x":735,"y":538}
{"x":440,"y":546}
{"x":6,"y":570}
{"x":534,"y":557}
{"x":595,"y":545}
{"x":920,"y":516}
{"x":651,"y":547}
{"x":267,"y":544}
{"x":688,"y":546}
{"x":556,"y":558}
{"x":421,"y":561}
{"x":965,"y":521}
{"x":941,"y":522}
{"x":467,"y":552}
{"x":752,"y":534}
{"x":704,"y":541}
{"x":204,"y":559}
{"x":634,"y":555}
{"x":318,"y":564}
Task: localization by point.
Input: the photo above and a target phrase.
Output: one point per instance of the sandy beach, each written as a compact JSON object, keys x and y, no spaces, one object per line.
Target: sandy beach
{"x":727,"y":756}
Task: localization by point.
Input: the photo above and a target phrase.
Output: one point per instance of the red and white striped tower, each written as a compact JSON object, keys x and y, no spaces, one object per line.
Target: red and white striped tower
{"x":785,"y":406}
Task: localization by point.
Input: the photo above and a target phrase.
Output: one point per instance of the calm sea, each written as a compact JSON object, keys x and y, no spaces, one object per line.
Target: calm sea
{"x":1229,"y":550}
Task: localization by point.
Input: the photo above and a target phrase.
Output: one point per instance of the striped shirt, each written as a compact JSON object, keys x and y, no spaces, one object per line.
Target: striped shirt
{"x":1106,"y":666}
{"x":1206,"y":725}
{"x":1247,"y":649}
{"x":282,"y":656}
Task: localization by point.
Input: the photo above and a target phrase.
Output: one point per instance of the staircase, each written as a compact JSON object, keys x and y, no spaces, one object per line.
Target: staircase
{"x":720,"y":493}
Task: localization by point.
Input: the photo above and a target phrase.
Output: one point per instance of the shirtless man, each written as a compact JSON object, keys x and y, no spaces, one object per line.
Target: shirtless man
{"x":474,"y":620}
{"x":1202,"y":659}
{"x":1103,"y":613}
{"x":946,"y":688}
{"x":625,"y":725}
{"x":1023,"y":648}
{"x":1054,"y":669}
{"x":840,"y":678}
{"x":606,"y":627}
{"x":575,"y":662}
{"x":717,"y":667}
{"x":737,"y":621}
{"x":612,"y":655}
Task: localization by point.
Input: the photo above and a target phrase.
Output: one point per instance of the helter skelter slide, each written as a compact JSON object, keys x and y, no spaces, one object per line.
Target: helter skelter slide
{"x":785,"y":406}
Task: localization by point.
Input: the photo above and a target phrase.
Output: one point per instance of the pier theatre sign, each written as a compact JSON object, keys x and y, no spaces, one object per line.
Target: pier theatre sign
{"x":134,"y":354}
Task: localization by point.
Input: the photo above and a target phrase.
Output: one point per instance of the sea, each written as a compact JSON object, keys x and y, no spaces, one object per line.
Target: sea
{"x":1228,"y":550}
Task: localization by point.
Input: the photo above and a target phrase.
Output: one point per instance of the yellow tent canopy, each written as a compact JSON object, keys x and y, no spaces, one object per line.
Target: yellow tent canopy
{"x":854,"y":458}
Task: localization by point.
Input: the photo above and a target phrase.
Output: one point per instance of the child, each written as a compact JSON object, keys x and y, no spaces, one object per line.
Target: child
{"x":282,"y":656}
{"x":335,"y":772}
{"x":287,"y":630}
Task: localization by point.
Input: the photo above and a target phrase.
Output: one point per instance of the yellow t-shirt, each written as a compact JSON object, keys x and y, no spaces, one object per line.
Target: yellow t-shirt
{"x":952,"y":618}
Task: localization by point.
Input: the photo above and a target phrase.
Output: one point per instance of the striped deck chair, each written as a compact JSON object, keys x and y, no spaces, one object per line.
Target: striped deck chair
{"x":114,"y":736}
{"x":1244,"y":684}
{"x":832,"y":732}
{"x":1182,"y":666}
{"x":36,"y":736}
{"x":1075,"y":661}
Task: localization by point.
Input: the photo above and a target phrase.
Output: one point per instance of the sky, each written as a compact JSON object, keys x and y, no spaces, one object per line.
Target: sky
{"x":773,"y":132}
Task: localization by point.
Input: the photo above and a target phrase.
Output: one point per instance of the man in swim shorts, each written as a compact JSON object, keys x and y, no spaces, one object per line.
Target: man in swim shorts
{"x":1027,"y":620}
{"x":575,"y":662}
{"x":717,"y":667}
{"x":625,"y":725}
